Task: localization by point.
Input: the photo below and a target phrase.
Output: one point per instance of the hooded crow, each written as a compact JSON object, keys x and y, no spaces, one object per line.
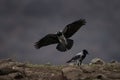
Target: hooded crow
{"x":78,"y":58}
{"x":61,"y":38}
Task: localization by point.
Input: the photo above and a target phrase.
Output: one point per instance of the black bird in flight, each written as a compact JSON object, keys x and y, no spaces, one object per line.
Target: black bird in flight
{"x":78,"y":58}
{"x":61,"y":37}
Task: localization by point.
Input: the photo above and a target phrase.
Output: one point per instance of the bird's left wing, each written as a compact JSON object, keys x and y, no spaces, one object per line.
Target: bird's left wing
{"x":76,"y":57}
{"x":47,"y":40}
{"x":70,"y":29}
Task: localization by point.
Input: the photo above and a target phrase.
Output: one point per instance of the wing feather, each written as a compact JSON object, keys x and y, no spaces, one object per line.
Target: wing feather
{"x":47,"y":40}
{"x":70,"y":29}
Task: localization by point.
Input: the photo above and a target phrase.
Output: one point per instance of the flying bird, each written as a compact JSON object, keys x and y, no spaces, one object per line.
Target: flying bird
{"x":61,"y":38}
{"x":79,"y":57}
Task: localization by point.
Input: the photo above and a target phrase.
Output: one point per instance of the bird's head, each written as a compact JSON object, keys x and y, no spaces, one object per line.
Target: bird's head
{"x":59,"y":33}
{"x":85,"y":51}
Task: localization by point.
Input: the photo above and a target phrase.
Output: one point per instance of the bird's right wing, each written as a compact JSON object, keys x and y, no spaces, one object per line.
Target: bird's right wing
{"x":47,"y":40}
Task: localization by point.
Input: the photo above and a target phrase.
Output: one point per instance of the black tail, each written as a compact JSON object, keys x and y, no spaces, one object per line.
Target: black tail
{"x":62,"y":48}
{"x":69,"y":61}
{"x":70,"y":44}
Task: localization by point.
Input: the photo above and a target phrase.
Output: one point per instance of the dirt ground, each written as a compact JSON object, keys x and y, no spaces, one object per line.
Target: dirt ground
{"x":96,"y":70}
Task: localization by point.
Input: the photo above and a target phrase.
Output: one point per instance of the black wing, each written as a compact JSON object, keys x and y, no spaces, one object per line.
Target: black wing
{"x":47,"y":40}
{"x":76,"y":57}
{"x":70,"y":29}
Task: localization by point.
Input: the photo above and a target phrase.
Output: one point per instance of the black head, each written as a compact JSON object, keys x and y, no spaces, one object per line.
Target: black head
{"x":85,"y":51}
{"x":59,"y":33}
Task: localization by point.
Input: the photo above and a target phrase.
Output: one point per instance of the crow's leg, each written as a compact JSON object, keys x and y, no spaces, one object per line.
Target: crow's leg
{"x":80,"y":62}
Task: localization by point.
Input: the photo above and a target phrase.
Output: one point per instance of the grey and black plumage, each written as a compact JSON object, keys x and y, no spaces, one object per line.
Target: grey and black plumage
{"x":79,"y":57}
{"x":61,"y":37}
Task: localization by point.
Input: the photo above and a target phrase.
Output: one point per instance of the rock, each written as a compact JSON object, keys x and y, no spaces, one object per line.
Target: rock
{"x":101,"y":76}
{"x":87,"y":69}
{"x":113,"y":61}
{"x":113,"y":75}
{"x":5,"y":60}
{"x":97,"y":61}
{"x":6,"y":77}
{"x":59,"y":77}
{"x":6,"y":71}
{"x":12,"y":70}
{"x":16,"y":75}
{"x":72,"y":73}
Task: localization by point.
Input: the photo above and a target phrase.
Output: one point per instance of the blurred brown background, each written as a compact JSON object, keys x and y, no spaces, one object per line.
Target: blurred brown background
{"x":23,"y":22}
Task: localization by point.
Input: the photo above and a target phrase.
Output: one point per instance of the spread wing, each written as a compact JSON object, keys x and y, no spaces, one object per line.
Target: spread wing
{"x":47,"y":40}
{"x":70,"y":29}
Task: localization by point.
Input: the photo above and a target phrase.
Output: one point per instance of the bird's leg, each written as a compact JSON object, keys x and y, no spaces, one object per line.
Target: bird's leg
{"x":80,"y":62}
{"x":77,"y":62}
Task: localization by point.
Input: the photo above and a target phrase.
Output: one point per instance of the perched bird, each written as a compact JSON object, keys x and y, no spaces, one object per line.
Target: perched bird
{"x":78,"y":58}
{"x":61,"y":37}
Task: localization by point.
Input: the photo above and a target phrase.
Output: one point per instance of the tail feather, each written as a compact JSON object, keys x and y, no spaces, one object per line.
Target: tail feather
{"x":70,"y":44}
{"x":62,"y":48}
{"x":69,"y":61}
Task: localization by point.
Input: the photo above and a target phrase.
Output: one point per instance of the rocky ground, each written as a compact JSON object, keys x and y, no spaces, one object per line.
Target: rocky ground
{"x":96,"y":70}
